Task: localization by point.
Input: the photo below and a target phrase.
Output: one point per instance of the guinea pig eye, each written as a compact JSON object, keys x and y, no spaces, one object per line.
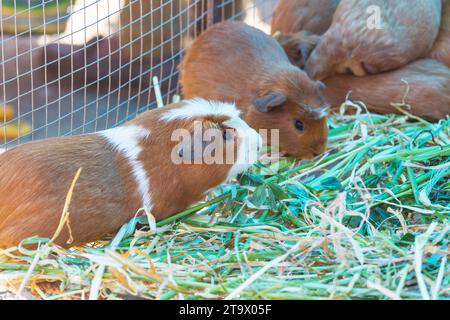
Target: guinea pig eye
{"x":299,"y":125}
{"x":226,"y":135}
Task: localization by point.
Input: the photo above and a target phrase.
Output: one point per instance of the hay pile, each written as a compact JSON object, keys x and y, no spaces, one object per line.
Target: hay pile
{"x":368,"y":220}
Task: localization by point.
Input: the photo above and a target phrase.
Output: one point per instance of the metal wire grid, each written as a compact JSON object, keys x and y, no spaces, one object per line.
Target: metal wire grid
{"x":96,"y":70}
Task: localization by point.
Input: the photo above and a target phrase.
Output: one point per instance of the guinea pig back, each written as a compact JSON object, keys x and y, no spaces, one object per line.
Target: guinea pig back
{"x":292,"y":16}
{"x":441,"y":49}
{"x":131,"y":169}
{"x":298,"y":25}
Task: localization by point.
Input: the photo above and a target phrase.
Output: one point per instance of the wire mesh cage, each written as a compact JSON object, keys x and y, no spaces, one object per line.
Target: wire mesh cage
{"x":72,"y":67}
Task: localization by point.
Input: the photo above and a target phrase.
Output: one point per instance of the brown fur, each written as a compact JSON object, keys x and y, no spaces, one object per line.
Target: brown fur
{"x":298,"y":24}
{"x":298,"y":46}
{"x":292,"y":16}
{"x":234,"y":62}
{"x":428,"y":96}
{"x":441,"y":49}
{"x":300,"y":30}
{"x":36,"y":177}
{"x":409,"y":30}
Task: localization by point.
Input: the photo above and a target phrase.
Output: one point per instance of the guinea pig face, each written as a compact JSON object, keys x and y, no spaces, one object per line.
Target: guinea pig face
{"x":300,"y":117}
{"x":211,"y":143}
{"x":312,"y":135}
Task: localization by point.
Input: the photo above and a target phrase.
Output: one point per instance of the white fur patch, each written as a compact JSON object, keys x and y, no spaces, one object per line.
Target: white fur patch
{"x":200,"y":107}
{"x":126,"y":141}
{"x":250,"y":143}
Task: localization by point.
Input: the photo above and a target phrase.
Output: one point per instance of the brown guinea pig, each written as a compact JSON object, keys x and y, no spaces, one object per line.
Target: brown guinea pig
{"x":140,"y":166}
{"x":424,"y":85}
{"x":441,"y":49}
{"x":298,"y":24}
{"x":234,"y":62}
{"x":372,"y":36}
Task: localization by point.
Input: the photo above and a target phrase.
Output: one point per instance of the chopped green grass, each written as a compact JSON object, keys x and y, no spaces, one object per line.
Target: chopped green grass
{"x":367,"y":220}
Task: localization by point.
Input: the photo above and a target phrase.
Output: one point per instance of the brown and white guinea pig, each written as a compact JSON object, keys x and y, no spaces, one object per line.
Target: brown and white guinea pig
{"x":372,"y":36}
{"x":424,"y":85}
{"x":234,"y":62}
{"x":298,"y":25}
{"x":124,"y":170}
{"x":441,"y":49}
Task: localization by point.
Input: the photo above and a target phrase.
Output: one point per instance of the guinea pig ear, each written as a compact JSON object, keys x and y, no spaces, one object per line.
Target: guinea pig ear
{"x":270,"y":101}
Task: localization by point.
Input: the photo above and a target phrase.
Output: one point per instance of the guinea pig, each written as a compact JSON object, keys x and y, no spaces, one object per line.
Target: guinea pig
{"x":161,"y":162}
{"x":234,"y":62}
{"x":424,"y":85}
{"x":298,"y":25}
{"x":372,"y":36}
{"x":441,"y":49}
